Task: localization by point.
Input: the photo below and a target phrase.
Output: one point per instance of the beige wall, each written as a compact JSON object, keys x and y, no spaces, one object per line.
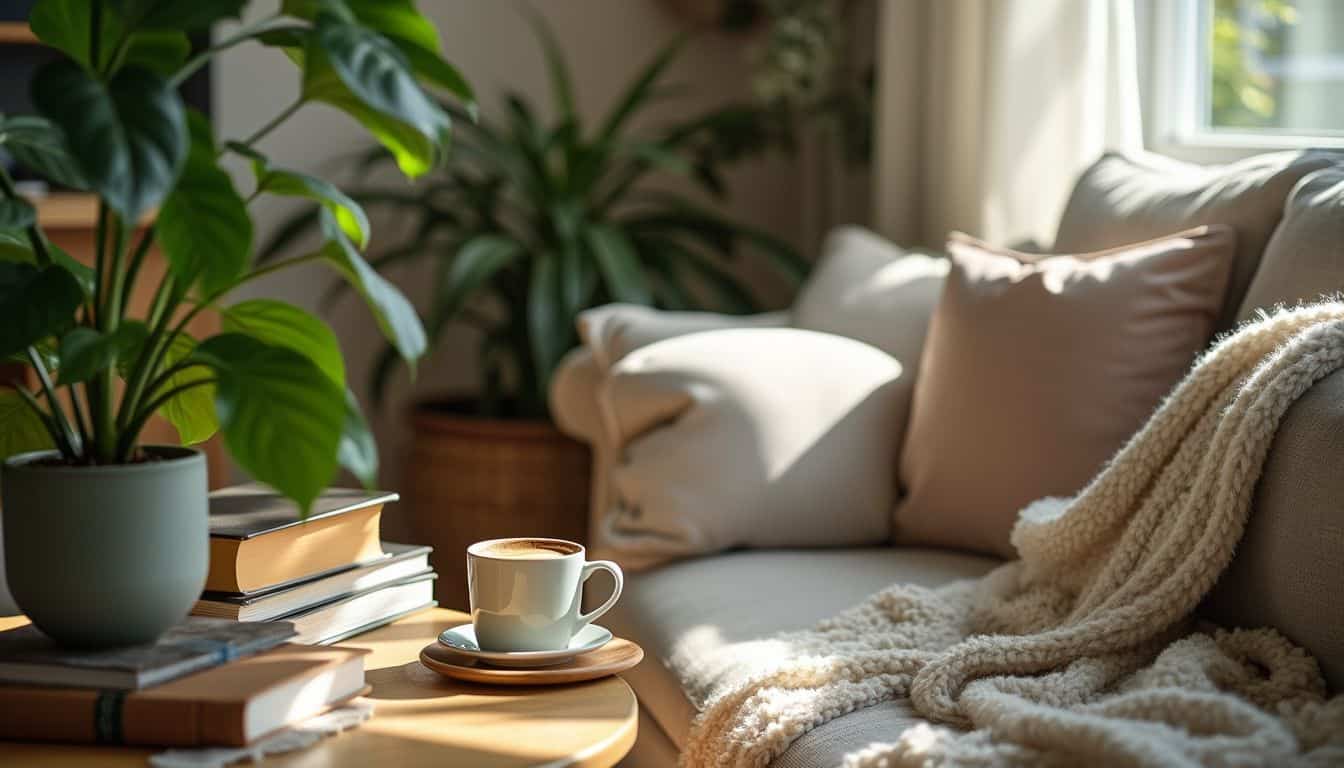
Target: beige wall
{"x":605,"y":40}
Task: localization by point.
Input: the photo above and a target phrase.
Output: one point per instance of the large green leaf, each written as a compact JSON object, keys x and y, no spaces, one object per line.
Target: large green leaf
{"x":285,"y":325}
{"x":40,"y":146}
{"x":128,"y":137}
{"x":619,"y":263}
{"x":417,"y":39}
{"x":549,"y":327}
{"x":472,"y":267}
{"x":638,"y":92}
{"x":192,"y":411}
{"x":377,"y":73}
{"x":21,"y":429}
{"x":16,"y":213}
{"x":67,"y":25}
{"x":282,"y":418}
{"x":84,"y":352}
{"x":204,"y":227}
{"x":562,"y":87}
{"x":415,"y":152}
{"x":279,"y":181}
{"x":394,"y":314}
{"x":358,"y":452}
{"x":176,"y":14}
{"x":15,"y":246}
{"x":35,"y":302}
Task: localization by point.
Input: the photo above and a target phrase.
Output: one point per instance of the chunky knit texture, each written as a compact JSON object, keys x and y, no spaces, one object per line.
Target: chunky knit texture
{"x":1083,"y":650}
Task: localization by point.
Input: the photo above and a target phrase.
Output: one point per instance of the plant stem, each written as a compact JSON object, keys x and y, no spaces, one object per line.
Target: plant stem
{"x":95,"y":33}
{"x":200,"y":59}
{"x":47,"y":420}
{"x":273,"y":123}
{"x":99,"y":268}
{"x":66,"y":436}
{"x":148,"y":360}
{"x":127,"y":441}
{"x":137,"y":258}
{"x":119,"y":286}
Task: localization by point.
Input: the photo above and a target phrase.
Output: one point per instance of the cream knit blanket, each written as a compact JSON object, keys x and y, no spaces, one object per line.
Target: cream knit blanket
{"x":1083,"y":651}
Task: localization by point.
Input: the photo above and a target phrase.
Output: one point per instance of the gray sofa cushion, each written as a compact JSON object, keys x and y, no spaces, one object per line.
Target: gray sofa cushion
{"x":1288,"y":572}
{"x":1305,"y":257}
{"x":747,"y":595}
{"x":1122,"y":199}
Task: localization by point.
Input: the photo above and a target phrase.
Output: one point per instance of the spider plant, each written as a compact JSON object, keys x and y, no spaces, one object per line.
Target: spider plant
{"x":533,"y":220}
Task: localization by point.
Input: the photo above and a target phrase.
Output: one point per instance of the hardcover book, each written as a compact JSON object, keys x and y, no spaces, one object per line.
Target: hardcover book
{"x":28,"y":656}
{"x":258,"y":539}
{"x":402,"y":560}
{"x":225,"y":706}
{"x":361,"y":611}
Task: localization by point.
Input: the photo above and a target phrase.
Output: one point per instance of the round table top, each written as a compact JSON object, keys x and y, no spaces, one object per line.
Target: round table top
{"x":422,"y":719}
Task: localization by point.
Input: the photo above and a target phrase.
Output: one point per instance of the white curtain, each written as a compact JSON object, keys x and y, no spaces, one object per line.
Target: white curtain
{"x":988,"y":109}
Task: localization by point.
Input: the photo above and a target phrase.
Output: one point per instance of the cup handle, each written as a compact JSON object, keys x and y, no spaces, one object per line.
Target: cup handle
{"x":588,"y":570}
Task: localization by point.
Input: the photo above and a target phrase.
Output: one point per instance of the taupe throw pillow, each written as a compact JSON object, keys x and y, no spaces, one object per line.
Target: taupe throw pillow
{"x":1038,"y":368}
{"x":1128,"y":198}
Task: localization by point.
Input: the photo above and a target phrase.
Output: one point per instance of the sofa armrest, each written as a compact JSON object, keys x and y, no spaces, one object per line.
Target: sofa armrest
{"x":762,"y":437}
{"x":613,"y":331}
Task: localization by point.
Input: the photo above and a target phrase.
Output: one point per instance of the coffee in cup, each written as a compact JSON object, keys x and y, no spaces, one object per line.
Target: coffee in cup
{"x":526,"y":592}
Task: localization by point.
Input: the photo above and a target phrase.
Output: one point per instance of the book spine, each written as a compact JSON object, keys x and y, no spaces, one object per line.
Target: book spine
{"x":112,"y":717}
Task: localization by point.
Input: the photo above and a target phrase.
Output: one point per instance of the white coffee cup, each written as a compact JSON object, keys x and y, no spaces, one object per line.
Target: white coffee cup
{"x":526,"y":592}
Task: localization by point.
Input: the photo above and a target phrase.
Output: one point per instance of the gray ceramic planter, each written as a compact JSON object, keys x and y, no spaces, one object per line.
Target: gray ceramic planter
{"x":106,"y":556}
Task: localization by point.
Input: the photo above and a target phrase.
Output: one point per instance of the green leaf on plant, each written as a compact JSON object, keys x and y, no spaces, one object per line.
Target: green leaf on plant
{"x":16,"y":247}
{"x":619,"y":263}
{"x":282,"y":418}
{"x":415,"y":152}
{"x":35,"y":302}
{"x":16,"y":213}
{"x":176,"y":14}
{"x":40,"y":146}
{"x":21,"y":429}
{"x":84,"y":352}
{"x":550,"y":329}
{"x":278,"y":181}
{"x":203,"y":227}
{"x":375,"y":72}
{"x":358,"y":452}
{"x":191,"y":411}
{"x":128,"y":137}
{"x":475,"y":263}
{"x":67,"y":25}
{"x":409,"y":30}
{"x":394,"y":314}
{"x":285,"y":325}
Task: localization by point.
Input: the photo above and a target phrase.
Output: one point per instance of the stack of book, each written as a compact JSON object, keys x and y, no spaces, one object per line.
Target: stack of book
{"x":206,"y":682}
{"x":330,"y":576}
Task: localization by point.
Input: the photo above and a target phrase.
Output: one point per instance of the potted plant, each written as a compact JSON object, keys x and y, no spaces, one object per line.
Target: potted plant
{"x":529,"y":223}
{"x":105,"y":539}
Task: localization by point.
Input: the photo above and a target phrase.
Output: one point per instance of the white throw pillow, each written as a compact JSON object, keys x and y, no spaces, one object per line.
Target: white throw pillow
{"x":763,"y":437}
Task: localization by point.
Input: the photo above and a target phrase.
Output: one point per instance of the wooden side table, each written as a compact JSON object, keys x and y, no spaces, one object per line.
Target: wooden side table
{"x":422,"y":719}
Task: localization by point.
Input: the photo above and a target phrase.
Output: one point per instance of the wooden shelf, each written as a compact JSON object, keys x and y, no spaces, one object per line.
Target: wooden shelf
{"x":16,"y":33}
{"x":73,"y":210}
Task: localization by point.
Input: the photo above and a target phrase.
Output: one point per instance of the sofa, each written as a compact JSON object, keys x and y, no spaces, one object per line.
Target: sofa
{"x":696,"y":583}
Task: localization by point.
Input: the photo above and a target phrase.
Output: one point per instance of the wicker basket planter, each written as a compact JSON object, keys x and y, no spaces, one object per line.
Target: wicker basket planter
{"x":471,"y":478}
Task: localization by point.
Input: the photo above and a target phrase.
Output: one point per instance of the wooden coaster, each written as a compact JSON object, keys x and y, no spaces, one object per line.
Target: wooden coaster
{"x":616,"y":656}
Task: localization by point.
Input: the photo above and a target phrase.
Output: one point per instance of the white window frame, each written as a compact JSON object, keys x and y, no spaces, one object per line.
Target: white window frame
{"x":1176,"y":94}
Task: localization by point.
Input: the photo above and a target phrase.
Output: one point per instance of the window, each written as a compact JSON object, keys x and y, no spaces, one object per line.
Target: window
{"x":1255,"y":74}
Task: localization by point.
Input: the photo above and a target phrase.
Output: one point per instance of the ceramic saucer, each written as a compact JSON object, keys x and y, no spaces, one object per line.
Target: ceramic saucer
{"x":462,"y":640}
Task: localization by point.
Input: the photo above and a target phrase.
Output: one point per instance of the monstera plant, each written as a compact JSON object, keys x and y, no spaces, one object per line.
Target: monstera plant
{"x":88,"y":510}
